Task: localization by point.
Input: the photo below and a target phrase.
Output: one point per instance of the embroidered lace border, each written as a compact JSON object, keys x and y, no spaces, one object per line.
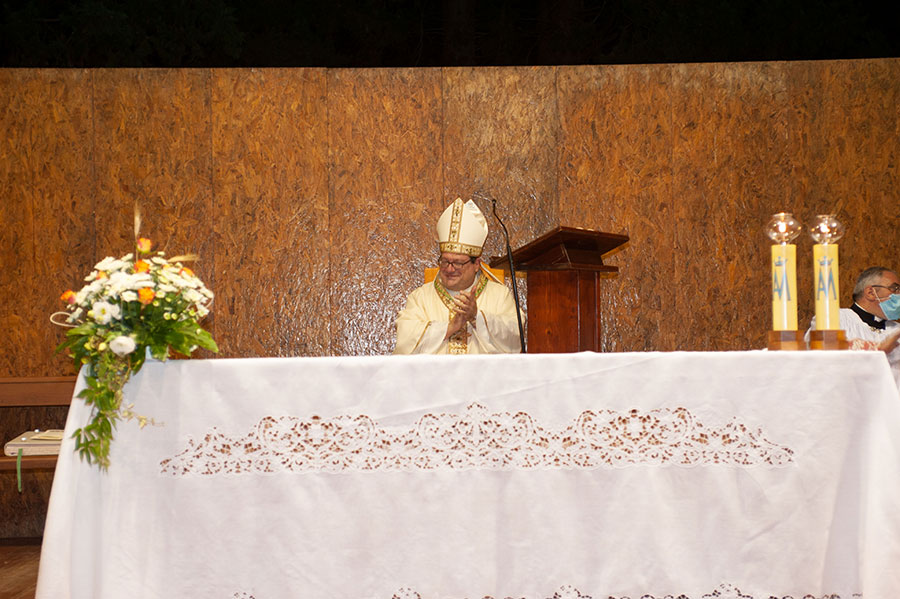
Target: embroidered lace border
{"x":724,"y":591}
{"x":478,"y":439}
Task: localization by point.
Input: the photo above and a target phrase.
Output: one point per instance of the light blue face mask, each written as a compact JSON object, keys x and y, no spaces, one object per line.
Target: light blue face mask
{"x":891,"y":306}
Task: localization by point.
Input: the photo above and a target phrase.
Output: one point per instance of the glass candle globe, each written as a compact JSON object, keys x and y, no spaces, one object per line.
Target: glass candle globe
{"x":826,"y":229}
{"x":783,"y":228}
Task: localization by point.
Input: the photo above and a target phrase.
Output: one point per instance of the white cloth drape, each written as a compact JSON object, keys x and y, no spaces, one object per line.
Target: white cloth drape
{"x":734,"y":475}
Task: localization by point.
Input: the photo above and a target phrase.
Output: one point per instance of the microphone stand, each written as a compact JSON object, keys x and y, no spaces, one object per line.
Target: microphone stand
{"x":512,"y":274}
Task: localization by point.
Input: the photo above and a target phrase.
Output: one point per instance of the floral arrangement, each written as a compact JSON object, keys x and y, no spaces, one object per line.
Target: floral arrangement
{"x":139,"y":304}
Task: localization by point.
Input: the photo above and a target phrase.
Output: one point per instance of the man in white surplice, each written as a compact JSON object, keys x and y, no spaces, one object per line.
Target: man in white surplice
{"x":872,"y":321}
{"x":462,"y":311}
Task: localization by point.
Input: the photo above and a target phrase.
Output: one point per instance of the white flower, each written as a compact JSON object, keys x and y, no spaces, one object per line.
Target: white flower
{"x":117,"y":283}
{"x":87,"y":292}
{"x":122,"y":345}
{"x":110,"y":264}
{"x":103,"y":312}
{"x":140,"y":280}
{"x":81,"y":296}
{"x":129,"y":296}
{"x":123,"y":281}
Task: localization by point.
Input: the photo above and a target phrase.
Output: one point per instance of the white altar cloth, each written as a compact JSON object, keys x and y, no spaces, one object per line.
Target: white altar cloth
{"x":680,"y":475}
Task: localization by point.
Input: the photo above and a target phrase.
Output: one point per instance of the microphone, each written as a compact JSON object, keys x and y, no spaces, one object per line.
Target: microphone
{"x":512,"y":274}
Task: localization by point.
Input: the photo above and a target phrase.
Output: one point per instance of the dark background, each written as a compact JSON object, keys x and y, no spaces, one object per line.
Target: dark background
{"x":395,"y":33}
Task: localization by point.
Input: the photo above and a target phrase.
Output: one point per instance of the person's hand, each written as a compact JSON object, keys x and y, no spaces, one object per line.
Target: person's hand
{"x":888,"y":345}
{"x":466,"y":308}
{"x":466,"y":305}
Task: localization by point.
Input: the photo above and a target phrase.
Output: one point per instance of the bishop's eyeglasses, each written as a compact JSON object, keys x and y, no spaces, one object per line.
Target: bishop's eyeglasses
{"x":456,"y":264}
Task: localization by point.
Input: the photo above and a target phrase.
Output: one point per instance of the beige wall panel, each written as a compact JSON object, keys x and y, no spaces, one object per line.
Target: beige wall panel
{"x":46,"y":213}
{"x":385,"y":142}
{"x":501,"y":128}
{"x":271,"y":212}
{"x":615,"y":176}
{"x":736,"y":140}
{"x":855,"y":166}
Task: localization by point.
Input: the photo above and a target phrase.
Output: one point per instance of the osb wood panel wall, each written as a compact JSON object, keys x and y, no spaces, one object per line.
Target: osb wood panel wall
{"x":310,"y":193}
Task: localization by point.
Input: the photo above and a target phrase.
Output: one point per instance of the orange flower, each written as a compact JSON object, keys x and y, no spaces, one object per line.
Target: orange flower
{"x":102,"y":275}
{"x":144,"y":245}
{"x":145,"y":295}
{"x":187,"y":272}
{"x":68,"y":296}
{"x":141,"y":266}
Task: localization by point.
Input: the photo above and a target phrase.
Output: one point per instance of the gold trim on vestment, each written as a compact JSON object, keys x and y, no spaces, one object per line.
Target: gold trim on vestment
{"x":458,"y":341}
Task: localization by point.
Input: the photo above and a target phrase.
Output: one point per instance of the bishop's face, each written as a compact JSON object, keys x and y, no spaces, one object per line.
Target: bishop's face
{"x":458,"y":270}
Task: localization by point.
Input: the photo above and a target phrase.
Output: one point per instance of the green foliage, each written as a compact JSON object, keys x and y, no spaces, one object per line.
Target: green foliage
{"x":127,"y":310}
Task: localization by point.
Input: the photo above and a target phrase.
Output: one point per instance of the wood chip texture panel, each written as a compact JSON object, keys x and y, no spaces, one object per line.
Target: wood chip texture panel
{"x":311,"y":194}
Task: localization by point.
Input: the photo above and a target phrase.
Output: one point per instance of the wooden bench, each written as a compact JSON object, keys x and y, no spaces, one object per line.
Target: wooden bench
{"x":25,"y":392}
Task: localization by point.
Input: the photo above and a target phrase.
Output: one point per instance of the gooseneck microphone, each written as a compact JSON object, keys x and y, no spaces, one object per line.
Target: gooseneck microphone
{"x":512,"y":274}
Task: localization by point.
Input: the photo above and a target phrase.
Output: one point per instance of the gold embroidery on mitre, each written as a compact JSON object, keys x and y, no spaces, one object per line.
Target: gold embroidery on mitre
{"x":456,"y":220}
{"x":453,"y":245}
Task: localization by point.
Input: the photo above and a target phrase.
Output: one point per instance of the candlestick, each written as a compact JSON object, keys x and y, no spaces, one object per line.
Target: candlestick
{"x":782,"y":228}
{"x":826,"y":231}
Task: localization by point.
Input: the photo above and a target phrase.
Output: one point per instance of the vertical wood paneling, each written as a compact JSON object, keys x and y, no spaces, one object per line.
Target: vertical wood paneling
{"x":385,"y":142}
{"x":731,"y":154}
{"x":855,"y":162}
{"x":271,"y":212}
{"x":46,"y":203}
{"x":802,"y":89}
{"x":500,"y":142}
{"x":615,"y":176}
{"x":46,"y":240}
{"x":152,"y":138}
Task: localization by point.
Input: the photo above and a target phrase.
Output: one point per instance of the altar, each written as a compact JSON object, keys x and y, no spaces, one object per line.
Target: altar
{"x":733,"y":475}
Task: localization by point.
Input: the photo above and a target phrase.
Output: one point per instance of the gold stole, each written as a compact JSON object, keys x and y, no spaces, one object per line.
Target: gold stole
{"x":459,"y":341}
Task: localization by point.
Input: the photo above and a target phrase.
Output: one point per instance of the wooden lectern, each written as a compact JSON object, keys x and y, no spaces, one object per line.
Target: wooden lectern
{"x":564,"y":271}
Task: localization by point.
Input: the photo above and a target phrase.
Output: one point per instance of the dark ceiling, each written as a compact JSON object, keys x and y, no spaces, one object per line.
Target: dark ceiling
{"x":395,"y":33}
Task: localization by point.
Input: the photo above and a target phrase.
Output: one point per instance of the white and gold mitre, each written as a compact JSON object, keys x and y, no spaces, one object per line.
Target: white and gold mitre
{"x":462,"y":229}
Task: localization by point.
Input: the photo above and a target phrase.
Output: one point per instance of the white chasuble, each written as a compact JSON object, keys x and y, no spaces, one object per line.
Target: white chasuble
{"x":422,"y":324}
